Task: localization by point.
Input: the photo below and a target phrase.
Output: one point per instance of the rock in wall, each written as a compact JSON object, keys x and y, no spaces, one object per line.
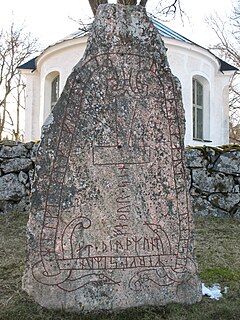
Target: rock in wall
{"x":16,"y":175}
{"x":214,"y":180}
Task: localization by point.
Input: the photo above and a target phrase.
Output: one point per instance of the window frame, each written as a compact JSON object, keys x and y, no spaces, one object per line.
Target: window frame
{"x":55,"y":90}
{"x":197,"y":109}
{"x":204,"y":106}
{"x":47,"y":92}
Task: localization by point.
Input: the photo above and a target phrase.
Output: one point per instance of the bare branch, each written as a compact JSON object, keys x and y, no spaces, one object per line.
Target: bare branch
{"x":84,"y":26}
{"x":169,"y":8}
{"x":228,"y":35}
{"x":16,"y":46}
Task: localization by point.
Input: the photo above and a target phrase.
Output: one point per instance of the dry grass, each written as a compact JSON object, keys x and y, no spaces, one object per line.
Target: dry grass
{"x":217,"y":250}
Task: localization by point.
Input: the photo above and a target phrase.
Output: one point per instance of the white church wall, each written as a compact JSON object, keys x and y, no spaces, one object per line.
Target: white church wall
{"x":222,"y":85}
{"x":32,"y":112}
{"x":188,"y":61}
{"x":60,"y":58}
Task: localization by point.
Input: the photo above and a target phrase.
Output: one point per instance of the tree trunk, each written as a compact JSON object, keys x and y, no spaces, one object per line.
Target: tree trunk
{"x":17,"y":132}
{"x":143,"y":3}
{"x":95,"y":3}
{"x":127,"y":2}
{"x":15,"y":47}
{"x":3,"y":118}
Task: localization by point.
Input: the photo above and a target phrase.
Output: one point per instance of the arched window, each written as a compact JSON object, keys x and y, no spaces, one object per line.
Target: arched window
{"x":54,"y":91}
{"x":51,"y":92}
{"x":200,"y":108}
{"x":197,"y":97}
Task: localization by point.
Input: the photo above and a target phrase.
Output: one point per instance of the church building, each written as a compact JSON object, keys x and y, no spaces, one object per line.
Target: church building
{"x":203,"y":76}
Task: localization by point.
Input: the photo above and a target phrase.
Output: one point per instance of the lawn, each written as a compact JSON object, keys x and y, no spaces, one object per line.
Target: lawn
{"x":217,"y":251}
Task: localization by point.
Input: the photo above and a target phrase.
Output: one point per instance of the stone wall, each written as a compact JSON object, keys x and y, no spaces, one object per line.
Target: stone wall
{"x":214,"y":178}
{"x":16,"y":175}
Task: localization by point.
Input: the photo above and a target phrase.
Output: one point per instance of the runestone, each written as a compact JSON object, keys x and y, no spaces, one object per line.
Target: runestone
{"x":111,"y":223}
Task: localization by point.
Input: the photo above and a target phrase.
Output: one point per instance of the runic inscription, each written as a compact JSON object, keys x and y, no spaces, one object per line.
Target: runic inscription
{"x":113,"y":216}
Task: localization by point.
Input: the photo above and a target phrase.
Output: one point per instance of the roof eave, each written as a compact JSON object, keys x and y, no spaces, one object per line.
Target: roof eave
{"x":224,"y":66}
{"x":29,"y":65}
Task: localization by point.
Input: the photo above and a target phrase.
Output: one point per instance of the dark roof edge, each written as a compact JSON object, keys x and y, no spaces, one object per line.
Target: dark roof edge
{"x":31,"y":64}
{"x":224,"y":66}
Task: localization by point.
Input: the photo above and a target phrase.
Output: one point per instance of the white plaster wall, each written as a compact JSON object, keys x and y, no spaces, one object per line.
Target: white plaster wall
{"x":61,"y":58}
{"x":32,"y":129}
{"x":223,"y":83}
{"x":186,"y":60}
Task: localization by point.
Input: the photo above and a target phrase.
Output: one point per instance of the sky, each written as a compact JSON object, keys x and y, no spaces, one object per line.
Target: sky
{"x":49,"y":20}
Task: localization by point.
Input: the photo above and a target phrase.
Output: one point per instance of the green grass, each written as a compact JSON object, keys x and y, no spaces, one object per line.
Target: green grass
{"x":218,"y":255}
